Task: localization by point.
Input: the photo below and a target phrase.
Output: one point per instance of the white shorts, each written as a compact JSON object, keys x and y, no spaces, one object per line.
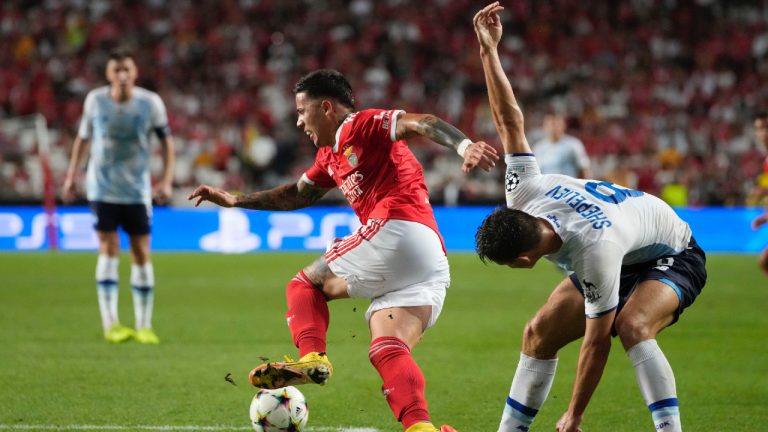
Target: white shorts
{"x":395,"y":263}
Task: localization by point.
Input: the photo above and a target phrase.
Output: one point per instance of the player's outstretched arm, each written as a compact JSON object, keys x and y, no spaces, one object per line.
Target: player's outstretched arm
{"x":476,"y":154}
{"x":507,"y":115}
{"x":290,"y":196}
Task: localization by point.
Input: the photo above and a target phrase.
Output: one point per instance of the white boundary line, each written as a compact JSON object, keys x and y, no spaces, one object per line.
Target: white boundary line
{"x":91,"y":427}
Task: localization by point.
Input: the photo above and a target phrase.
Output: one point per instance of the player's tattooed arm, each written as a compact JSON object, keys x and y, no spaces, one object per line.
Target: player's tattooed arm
{"x":429,"y":126}
{"x":476,"y":154}
{"x":285,"y":197}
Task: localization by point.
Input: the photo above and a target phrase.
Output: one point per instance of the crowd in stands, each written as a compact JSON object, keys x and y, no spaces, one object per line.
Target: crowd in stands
{"x":660,"y":91}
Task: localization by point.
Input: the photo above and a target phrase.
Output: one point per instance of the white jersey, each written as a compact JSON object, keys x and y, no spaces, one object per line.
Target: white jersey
{"x":603,"y":226}
{"x":120,"y":136}
{"x":566,"y":156}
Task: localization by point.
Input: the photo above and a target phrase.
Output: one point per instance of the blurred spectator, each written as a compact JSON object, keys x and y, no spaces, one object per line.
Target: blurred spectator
{"x":559,"y":152}
{"x":639,"y":77}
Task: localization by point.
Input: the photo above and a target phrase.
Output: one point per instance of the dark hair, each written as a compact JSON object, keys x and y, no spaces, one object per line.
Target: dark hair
{"x":759,"y":115}
{"x":505,"y":234}
{"x":326,"y":83}
{"x":121,"y":53}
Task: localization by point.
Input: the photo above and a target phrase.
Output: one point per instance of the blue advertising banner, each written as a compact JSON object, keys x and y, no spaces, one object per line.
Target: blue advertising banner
{"x":722,"y":230}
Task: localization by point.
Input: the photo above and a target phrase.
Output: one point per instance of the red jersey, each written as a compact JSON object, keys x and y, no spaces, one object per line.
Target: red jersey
{"x":378,"y":174}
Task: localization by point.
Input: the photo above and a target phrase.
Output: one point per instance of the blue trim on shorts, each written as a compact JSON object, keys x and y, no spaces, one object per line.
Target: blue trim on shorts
{"x":673,"y":286}
{"x":517,"y":406}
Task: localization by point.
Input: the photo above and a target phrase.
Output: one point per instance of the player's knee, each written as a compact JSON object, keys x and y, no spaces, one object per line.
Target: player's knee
{"x":632,"y":329}
{"x":535,"y":338}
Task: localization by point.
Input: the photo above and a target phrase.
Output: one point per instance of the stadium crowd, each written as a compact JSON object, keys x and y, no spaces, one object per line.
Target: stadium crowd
{"x":661,"y":92}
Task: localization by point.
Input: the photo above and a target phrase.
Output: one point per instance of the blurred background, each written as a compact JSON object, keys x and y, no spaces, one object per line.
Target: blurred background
{"x":661,"y":92}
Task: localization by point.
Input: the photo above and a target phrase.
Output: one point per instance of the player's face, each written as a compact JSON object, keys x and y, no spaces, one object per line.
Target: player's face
{"x":761,"y":132}
{"x":315,"y":120}
{"x":554,"y":124}
{"x":122,"y":73}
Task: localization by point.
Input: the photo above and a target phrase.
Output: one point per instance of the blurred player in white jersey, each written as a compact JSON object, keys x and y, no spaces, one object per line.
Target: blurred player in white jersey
{"x":118,"y":123}
{"x":558,"y":152}
{"x":760,"y":192}
{"x":396,"y":258}
{"x":636,"y":267}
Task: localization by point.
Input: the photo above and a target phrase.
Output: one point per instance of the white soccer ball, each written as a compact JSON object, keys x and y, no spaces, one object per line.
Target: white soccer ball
{"x":279,"y":410}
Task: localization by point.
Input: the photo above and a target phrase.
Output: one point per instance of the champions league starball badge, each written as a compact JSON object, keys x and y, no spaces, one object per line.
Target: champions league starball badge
{"x":511,"y":181}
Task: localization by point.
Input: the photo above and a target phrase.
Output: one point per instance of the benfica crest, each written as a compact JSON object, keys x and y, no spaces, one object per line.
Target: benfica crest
{"x":351,"y":157}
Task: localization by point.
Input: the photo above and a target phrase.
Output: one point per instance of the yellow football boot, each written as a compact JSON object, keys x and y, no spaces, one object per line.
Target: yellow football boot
{"x":146,"y":336}
{"x":313,"y":367}
{"x":119,"y":333}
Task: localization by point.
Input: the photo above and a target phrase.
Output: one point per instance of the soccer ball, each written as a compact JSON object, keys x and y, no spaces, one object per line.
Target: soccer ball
{"x":283,"y":409}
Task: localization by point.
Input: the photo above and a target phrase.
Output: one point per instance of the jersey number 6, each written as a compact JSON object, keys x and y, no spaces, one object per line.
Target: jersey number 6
{"x":616,"y":195}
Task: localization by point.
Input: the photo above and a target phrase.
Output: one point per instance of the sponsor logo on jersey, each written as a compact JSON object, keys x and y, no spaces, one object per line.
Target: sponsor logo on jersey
{"x":585,"y":208}
{"x":511,"y":181}
{"x":384,"y":117}
{"x":350,"y":187}
{"x":330,"y":171}
{"x":590,"y":291}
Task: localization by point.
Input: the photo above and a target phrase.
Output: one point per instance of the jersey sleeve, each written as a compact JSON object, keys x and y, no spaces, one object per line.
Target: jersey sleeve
{"x":599,"y":271}
{"x":377,"y":126}
{"x":317,"y":175}
{"x":522,"y":169}
{"x":86,"y":125}
{"x":159,"y":118}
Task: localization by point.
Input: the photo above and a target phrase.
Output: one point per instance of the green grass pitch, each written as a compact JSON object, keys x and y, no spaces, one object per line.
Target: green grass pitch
{"x":217,"y":314}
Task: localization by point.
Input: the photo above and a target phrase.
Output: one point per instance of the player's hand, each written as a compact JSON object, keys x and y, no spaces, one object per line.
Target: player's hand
{"x":760,"y":220}
{"x":568,"y":423}
{"x":68,"y":190}
{"x":488,"y":25}
{"x":214,"y":195}
{"x":163,"y":192}
{"x":479,"y":154}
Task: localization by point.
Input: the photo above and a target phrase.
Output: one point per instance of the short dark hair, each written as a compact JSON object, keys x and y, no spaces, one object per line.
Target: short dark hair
{"x":760,"y":114}
{"x":121,"y":53}
{"x":326,"y":83}
{"x":505,"y":234}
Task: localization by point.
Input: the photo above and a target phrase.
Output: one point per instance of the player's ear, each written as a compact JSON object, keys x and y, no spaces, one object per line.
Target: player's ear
{"x":327,"y":106}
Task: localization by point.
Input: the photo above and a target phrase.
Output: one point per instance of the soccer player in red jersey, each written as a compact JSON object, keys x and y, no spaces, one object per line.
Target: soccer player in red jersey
{"x":761,"y":189}
{"x":396,"y":258}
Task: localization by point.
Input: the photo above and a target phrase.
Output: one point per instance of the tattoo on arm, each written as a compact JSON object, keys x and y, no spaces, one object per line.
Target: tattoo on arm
{"x":318,"y":272}
{"x":286,"y":197}
{"x":435,"y":129}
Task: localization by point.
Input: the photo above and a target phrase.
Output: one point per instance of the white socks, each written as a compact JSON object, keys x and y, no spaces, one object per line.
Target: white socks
{"x":143,"y":284}
{"x":106,"y":288}
{"x":657,"y":384}
{"x":530,"y":387}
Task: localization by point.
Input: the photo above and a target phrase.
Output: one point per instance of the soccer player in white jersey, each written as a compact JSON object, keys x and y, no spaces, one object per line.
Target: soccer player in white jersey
{"x":558,"y":152}
{"x":118,"y":123}
{"x":636,"y":267}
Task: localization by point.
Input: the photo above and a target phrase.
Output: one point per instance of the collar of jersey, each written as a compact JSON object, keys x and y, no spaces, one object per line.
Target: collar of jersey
{"x":338,"y":134}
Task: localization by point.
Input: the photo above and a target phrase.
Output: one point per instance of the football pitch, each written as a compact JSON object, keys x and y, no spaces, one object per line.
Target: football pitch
{"x":220,"y":314}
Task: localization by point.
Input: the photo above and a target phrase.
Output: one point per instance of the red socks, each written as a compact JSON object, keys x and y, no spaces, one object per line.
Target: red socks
{"x":403,"y":382}
{"x":307,"y":314}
